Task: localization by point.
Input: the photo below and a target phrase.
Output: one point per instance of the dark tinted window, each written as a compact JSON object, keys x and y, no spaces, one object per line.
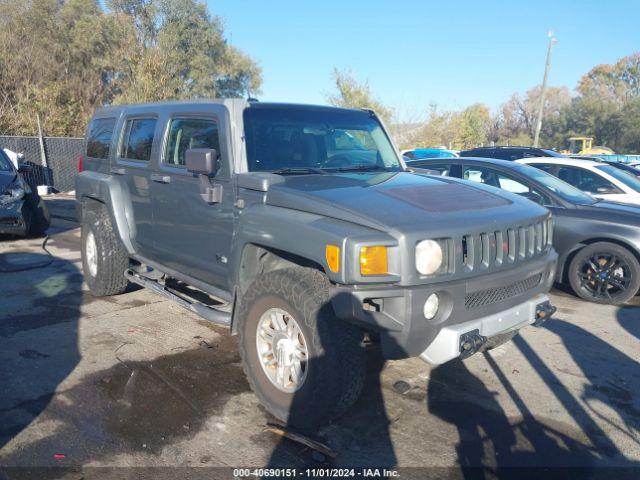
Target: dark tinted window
{"x":99,"y":139}
{"x":138,"y":139}
{"x":585,"y":180}
{"x":330,"y":139}
{"x":545,"y":167}
{"x":186,"y":133}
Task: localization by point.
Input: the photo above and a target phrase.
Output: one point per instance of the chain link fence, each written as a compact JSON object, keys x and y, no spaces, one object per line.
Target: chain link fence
{"x":61,"y":159}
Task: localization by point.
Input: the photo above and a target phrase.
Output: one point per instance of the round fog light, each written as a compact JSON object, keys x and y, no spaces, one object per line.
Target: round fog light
{"x":431,"y":306}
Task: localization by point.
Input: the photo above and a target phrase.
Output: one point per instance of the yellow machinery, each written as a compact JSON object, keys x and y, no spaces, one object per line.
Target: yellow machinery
{"x":584,"y":146}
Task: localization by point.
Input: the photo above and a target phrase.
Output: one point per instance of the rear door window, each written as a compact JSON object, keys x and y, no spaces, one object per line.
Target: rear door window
{"x":99,"y":138}
{"x":138,"y":139}
{"x":187,"y":133}
{"x":586,"y":180}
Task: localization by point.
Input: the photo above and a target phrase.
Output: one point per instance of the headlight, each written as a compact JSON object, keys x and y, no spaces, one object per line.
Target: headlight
{"x":16,"y":193}
{"x":13,"y":194}
{"x":429,"y":257}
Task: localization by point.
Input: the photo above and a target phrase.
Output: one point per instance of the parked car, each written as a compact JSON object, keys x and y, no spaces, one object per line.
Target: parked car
{"x":269,"y":219}
{"x":598,"y":242}
{"x":599,"y":179}
{"x":15,"y":157}
{"x":509,"y":153}
{"x":22,"y":211}
{"x":625,"y":167}
{"x":418,"y":153}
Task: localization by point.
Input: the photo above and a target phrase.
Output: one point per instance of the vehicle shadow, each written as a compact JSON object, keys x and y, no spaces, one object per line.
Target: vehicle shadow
{"x":612,"y":380}
{"x":629,"y":319}
{"x":490,"y":442}
{"x":39,"y":314}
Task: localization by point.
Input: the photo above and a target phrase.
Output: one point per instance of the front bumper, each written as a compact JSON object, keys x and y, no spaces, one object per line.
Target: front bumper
{"x":463,"y":339}
{"x":12,"y":221}
{"x":397,"y":312}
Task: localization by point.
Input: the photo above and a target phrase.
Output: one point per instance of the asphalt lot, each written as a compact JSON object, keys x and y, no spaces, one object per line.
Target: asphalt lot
{"x":136,"y":380}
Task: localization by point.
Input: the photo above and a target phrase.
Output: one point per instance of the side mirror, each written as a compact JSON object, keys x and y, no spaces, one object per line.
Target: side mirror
{"x":24,"y":166}
{"x":203,"y":161}
{"x":604,"y":190}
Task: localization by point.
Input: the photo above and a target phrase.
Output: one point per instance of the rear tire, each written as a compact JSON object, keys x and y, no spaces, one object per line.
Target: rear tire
{"x":605,"y":273}
{"x":104,"y":259}
{"x":335,"y":369}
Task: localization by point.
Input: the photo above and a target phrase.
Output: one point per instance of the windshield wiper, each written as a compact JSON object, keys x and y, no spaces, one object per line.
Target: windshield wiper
{"x":360,"y":168}
{"x":298,"y":171}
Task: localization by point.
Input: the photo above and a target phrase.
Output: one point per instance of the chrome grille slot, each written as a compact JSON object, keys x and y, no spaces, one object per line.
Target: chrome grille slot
{"x":512,"y":244}
{"x":522,"y":242}
{"x":468,"y":251}
{"x":531,"y":240}
{"x":484,"y":249}
{"x":539,"y":236}
{"x":500,"y":250}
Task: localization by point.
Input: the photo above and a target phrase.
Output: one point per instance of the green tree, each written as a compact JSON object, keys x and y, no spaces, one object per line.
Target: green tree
{"x":617,"y":83}
{"x":62,"y":59}
{"x":352,"y":93}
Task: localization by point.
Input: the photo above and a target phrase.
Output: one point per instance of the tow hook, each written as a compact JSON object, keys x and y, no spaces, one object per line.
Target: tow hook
{"x":470,"y":343}
{"x":544,"y":311}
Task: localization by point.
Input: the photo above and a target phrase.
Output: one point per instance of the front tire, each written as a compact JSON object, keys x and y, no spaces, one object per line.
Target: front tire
{"x":104,"y":259}
{"x":330,"y":375}
{"x":605,"y":273}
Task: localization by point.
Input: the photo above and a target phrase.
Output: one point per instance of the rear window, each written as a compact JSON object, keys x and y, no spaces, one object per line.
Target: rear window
{"x":99,"y":140}
{"x":138,"y":139}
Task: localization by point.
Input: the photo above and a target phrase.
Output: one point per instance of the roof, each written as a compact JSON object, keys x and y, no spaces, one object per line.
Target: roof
{"x":240,"y":102}
{"x":562,"y":161}
{"x":490,"y":161}
{"x":507,"y":146}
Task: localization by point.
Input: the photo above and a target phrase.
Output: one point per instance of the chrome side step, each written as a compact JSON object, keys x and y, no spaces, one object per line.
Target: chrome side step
{"x":219,"y":317}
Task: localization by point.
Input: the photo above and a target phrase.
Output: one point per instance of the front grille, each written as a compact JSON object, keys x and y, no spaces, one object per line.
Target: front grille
{"x":500,"y":294}
{"x":511,"y":245}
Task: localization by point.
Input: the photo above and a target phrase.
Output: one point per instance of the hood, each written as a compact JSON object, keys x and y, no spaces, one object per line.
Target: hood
{"x":401,"y":200}
{"x":612,"y":211}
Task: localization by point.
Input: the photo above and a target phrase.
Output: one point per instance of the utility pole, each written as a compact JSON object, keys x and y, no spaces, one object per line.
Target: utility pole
{"x":552,"y":41}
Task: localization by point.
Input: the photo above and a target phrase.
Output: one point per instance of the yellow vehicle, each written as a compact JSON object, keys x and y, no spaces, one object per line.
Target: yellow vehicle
{"x":584,"y":146}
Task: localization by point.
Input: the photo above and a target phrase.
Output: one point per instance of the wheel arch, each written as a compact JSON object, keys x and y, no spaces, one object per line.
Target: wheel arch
{"x":257,"y":259}
{"x":564,"y":267}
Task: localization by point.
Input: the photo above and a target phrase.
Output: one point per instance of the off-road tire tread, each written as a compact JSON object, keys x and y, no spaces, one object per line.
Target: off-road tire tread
{"x":307,"y":290}
{"x":113,"y":259}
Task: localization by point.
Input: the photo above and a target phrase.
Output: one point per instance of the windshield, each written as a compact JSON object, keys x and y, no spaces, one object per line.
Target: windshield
{"x":305,"y":140}
{"x":627,"y":178}
{"x":5,"y":163}
{"x":562,"y":189}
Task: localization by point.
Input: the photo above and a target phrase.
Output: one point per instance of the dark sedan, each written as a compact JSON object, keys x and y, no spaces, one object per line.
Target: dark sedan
{"x":22,"y":211}
{"x":598,"y":242}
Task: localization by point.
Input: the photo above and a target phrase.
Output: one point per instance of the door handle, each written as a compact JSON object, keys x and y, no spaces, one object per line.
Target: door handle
{"x":118,"y":171}
{"x":157,"y":177}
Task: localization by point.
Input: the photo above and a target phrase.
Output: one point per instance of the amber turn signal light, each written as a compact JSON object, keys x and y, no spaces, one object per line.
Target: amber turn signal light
{"x":332,"y":255}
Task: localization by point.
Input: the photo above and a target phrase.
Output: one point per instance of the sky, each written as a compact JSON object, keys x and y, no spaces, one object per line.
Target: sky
{"x":413,"y":53}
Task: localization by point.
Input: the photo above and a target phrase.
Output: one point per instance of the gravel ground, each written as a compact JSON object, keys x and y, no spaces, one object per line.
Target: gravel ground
{"x":135,"y":380}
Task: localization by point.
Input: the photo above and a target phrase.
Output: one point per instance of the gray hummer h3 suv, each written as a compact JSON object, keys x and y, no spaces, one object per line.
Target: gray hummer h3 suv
{"x":301,"y":229}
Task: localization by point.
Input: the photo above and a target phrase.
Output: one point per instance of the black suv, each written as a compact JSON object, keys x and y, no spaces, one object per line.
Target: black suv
{"x":509,"y":153}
